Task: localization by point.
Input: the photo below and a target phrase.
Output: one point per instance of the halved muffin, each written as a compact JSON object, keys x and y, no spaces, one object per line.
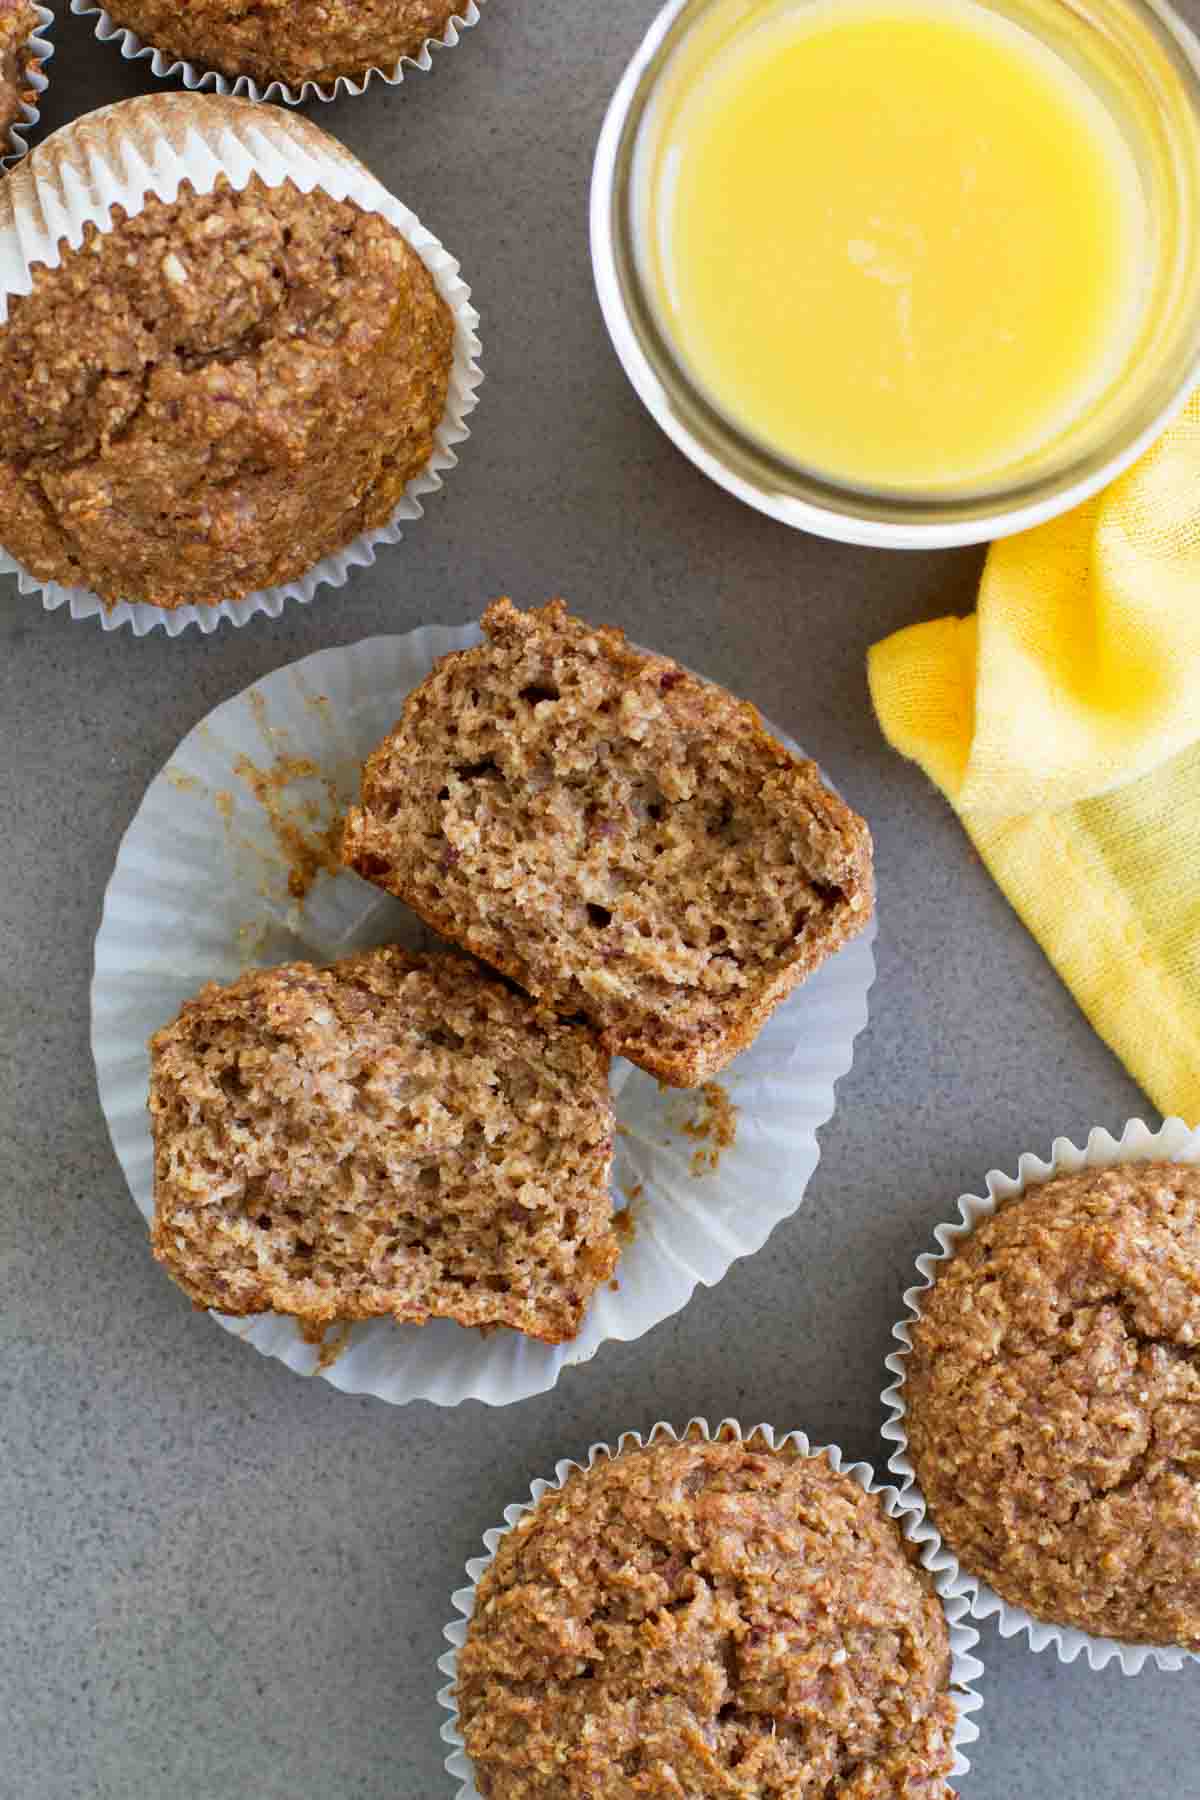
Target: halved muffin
{"x":619,"y":836}
{"x":394,"y":1135}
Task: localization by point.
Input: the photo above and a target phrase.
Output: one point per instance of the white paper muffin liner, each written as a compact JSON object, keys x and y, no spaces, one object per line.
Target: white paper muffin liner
{"x":40,"y":48}
{"x":1173,"y":1142}
{"x":200,"y":890}
{"x":965,"y":1666}
{"x":167,"y":67}
{"x":123,"y":154}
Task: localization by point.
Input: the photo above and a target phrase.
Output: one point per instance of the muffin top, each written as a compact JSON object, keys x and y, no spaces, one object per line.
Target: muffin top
{"x":701,"y":1619}
{"x":18,"y":22}
{"x":216,"y":393}
{"x":394,"y":1134}
{"x":289,"y":40}
{"x":1054,"y":1402}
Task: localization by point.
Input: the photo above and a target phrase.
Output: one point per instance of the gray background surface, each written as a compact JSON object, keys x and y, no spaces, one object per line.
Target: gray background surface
{"x":220,"y":1580}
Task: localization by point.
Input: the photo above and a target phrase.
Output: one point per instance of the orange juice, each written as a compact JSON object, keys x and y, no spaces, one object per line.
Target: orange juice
{"x":900,"y":242}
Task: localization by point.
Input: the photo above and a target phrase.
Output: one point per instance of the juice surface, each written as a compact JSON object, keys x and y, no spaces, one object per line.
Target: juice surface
{"x":902,"y":244}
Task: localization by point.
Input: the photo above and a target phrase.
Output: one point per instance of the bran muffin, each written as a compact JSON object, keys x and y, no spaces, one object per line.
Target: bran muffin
{"x":212,"y":395}
{"x":1053,"y":1396}
{"x":18,"y":23}
{"x":700,"y":1619}
{"x":394,"y":1135}
{"x":292,"y":41}
{"x":620,"y":837}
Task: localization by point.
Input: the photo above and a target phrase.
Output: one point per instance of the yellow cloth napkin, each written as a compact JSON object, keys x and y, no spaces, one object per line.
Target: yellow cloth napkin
{"x":1062,"y":722}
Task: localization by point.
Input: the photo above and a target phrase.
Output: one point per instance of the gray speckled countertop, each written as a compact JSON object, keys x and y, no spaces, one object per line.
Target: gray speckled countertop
{"x":221,"y":1580}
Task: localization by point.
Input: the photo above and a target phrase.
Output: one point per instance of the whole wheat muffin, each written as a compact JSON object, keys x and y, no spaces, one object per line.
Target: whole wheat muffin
{"x":622,"y":838}
{"x":288,"y":40}
{"x":18,"y":22}
{"x":707,"y":1619}
{"x":1054,"y":1402}
{"x":216,"y":393}
{"x":396,"y":1135}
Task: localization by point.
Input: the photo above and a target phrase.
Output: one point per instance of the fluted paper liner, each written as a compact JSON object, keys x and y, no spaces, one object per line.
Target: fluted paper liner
{"x":1173,"y":1142}
{"x":201,"y":888}
{"x":123,"y":154}
{"x":36,"y":82}
{"x":965,"y":1666}
{"x":195,"y":77}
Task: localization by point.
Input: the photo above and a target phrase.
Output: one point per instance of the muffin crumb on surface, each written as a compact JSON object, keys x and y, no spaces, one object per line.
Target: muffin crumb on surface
{"x":396,"y":1135}
{"x":1053,"y":1395}
{"x":619,"y":836}
{"x":704,"y":1619}
{"x":216,"y":393}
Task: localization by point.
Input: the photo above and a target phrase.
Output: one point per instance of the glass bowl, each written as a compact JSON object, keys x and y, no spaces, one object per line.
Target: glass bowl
{"x":1144,"y":64}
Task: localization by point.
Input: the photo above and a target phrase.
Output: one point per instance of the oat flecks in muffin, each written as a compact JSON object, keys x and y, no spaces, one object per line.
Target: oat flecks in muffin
{"x":289,"y":40}
{"x":622,"y":838}
{"x":698,"y":1620}
{"x":18,"y":22}
{"x":1054,"y":1402}
{"x":395,"y":1134}
{"x":216,"y":393}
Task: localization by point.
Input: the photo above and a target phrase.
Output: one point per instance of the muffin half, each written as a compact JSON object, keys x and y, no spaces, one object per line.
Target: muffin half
{"x":395,"y":1135}
{"x":622,"y":838}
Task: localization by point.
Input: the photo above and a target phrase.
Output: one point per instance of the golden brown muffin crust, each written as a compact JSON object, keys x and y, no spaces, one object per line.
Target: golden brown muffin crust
{"x":18,"y":22}
{"x":701,"y":1620}
{"x":622,"y":838}
{"x":1054,"y":1402}
{"x":216,"y":393}
{"x":395,"y":1134}
{"x":288,"y":40}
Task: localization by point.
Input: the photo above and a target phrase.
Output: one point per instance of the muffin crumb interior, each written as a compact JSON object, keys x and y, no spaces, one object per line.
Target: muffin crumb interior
{"x":394,"y":1135}
{"x":619,"y":836}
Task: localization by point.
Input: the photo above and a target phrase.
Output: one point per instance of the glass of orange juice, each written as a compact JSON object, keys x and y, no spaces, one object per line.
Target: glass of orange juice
{"x":906,"y":272}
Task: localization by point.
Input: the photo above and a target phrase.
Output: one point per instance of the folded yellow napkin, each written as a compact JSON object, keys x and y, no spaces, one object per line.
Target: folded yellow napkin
{"x":1062,"y":722}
